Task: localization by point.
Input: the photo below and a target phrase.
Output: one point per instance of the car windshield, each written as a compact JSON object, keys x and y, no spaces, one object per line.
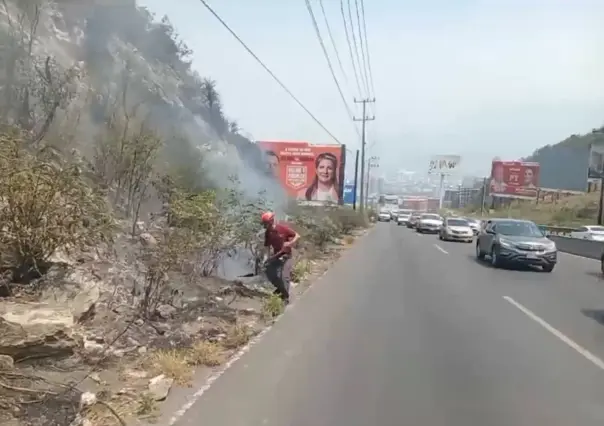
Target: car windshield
{"x":472,"y":221}
{"x":596,"y":229}
{"x":457,"y":222}
{"x":431,"y":216}
{"x":519,"y":229}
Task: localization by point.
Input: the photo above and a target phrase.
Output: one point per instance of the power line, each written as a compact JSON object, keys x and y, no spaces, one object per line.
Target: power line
{"x":268,"y":70}
{"x":365,"y":68}
{"x":335,"y":79}
{"x":356,"y":48}
{"x":367,"y":47}
{"x":333,"y":42}
{"x":354,"y":68}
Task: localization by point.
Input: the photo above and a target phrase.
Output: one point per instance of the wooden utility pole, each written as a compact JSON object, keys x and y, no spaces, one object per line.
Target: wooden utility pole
{"x":364,"y":119}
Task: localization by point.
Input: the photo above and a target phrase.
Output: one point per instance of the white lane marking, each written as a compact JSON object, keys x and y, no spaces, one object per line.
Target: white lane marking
{"x":441,"y":249}
{"x":578,"y":348}
{"x":245,"y":349}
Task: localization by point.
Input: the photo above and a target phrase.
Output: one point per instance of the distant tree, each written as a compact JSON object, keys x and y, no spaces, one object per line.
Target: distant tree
{"x":234,"y":127}
{"x":210,"y":95}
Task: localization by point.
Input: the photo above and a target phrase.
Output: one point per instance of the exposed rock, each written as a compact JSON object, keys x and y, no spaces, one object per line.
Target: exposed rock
{"x":35,"y":330}
{"x":6,"y":363}
{"x":148,"y":239}
{"x":81,"y":421}
{"x":87,"y":399}
{"x":84,"y":304}
{"x":75,"y":288}
{"x":165,"y":311}
{"x":160,"y":386}
{"x":136,"y":374}
{"x":140,"y":226}
{"x":93,"y":349}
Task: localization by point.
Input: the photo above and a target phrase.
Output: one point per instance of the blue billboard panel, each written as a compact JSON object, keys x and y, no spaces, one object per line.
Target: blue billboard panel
{"x":348,"y":193}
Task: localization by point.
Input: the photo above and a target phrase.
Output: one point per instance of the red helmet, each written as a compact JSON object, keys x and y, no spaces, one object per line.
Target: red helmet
{"x":267,"y":217}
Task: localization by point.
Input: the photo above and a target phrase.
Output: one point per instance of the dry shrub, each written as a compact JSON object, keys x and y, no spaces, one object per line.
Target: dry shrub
{"x":146,"y":406}
{"x":173,"y":247}
{"x":173,"y":363}
{"x":272,"y":307}
{"x":348,"y":219}
{"x":45,"y":205}
{"x":237,"y":335}
{"x":210,"y":354}
{"x":300,"y":270}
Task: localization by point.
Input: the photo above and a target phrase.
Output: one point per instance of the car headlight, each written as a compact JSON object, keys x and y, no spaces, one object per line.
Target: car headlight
{"x":551,"y":246}
{"x":506,"y":244}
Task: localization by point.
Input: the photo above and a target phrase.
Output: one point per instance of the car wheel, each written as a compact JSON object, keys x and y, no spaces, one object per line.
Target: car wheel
{"x":495,"y":262}
{"x":547,"y":268}
{"x":602,"y":264}
{"x":479,"y":252}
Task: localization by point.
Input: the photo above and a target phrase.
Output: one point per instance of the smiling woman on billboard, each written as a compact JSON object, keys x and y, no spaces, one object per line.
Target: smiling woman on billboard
{"x":325,"y":183}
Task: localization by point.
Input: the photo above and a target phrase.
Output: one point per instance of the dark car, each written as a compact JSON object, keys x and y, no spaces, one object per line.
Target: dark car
{"x":512,"y":241}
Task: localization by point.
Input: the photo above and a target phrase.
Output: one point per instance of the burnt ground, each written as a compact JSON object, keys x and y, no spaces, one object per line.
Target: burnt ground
{"x":122,"y":352}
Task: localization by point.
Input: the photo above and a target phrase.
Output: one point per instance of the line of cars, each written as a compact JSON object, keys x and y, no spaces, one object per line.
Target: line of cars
{"x":503,"y":241}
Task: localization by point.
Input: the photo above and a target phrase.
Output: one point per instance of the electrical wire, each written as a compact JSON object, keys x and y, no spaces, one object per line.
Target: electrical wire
{"x":367,"y":48}
{"x":268,"y":70}
{"x":333,"y":43}
{"x":356,"y":49}
{"x":354,"y":68}
{"x":365,"y":68}
{"x":329,"y":64}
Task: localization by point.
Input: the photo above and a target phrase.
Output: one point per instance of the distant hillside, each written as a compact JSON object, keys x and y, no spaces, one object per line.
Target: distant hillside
{"x":596,"y":136}
{"x":564,"y":165}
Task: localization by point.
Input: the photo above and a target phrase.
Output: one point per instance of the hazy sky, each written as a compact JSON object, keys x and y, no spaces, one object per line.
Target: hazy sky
{"x":469,"y":77}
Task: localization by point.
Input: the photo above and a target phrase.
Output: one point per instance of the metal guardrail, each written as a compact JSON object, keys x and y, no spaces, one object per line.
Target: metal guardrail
{"x":583,"y":248}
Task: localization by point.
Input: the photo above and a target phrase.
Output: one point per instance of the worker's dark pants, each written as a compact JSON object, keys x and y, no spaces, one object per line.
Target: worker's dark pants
{"x":278,"y":272}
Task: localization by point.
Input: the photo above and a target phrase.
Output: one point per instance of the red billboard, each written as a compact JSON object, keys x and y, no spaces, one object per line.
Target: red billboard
{"x":516,"y":179}
{"x":307,"y":172}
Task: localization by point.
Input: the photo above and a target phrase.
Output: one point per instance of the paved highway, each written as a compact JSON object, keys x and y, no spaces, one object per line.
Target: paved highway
{"x":408,"y":330}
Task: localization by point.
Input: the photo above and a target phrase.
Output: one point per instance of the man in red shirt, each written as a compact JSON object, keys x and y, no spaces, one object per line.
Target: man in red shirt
{"x":280,"y":238}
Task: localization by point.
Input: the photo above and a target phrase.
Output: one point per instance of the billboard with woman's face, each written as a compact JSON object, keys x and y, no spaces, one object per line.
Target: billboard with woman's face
{"x":515,"y":179}
{"x":307,"y":172}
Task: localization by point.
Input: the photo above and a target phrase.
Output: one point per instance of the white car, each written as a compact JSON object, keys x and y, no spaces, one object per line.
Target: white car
{"x":456,"y":229}
{"x":429,"y":223}
{"x":403,"y":218}
{"x":475,"y":224}
{"x":384,"y":216}
{"x":594,"y":233}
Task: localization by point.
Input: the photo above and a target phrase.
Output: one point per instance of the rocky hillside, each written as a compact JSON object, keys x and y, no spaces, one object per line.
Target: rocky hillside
{"x":85,"y":60}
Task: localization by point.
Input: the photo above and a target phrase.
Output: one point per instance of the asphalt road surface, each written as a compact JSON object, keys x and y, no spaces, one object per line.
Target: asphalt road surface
{"x":408,"y":330}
